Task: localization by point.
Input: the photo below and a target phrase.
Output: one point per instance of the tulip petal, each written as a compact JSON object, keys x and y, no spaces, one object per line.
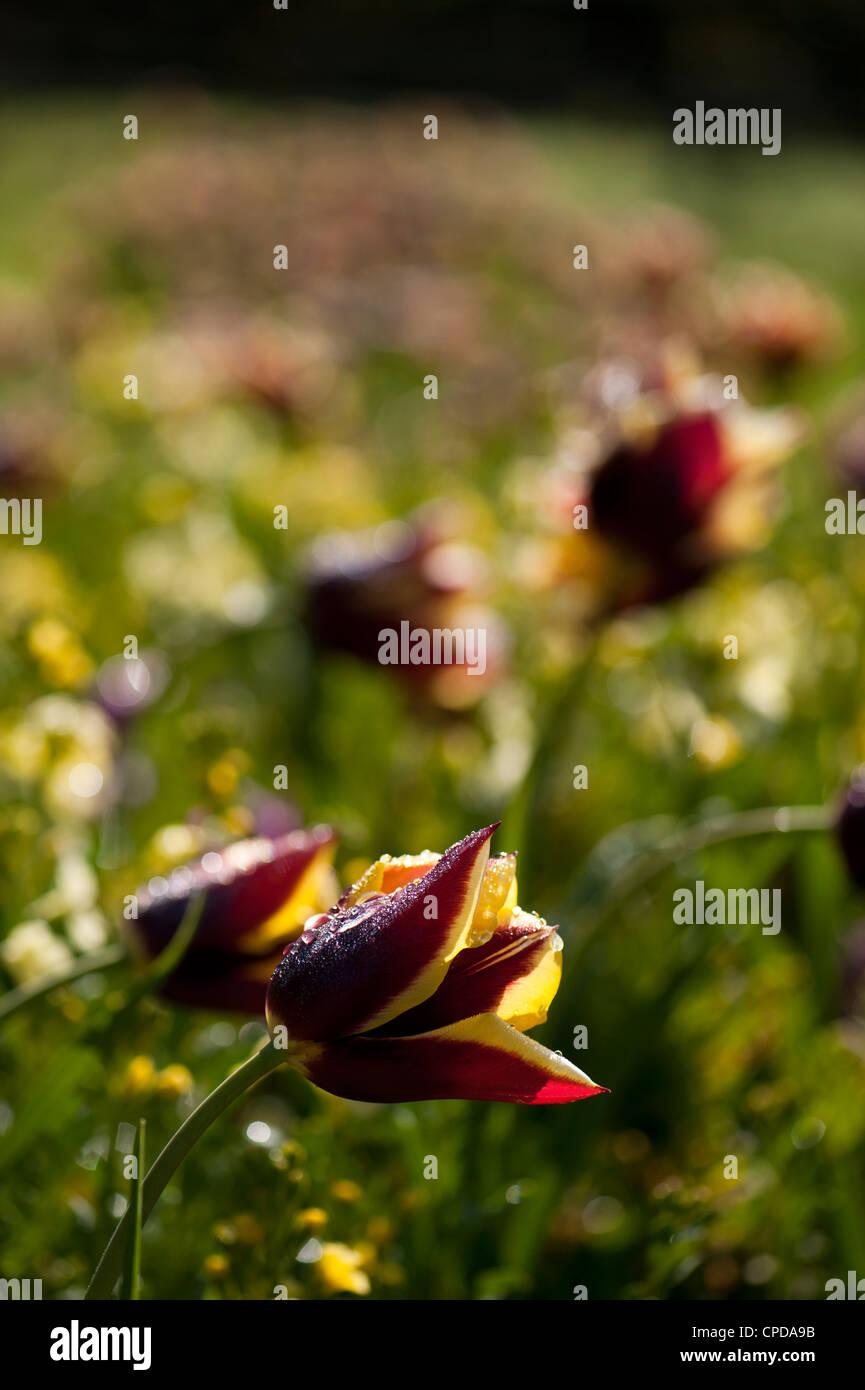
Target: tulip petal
{"x":514,"y":974}
{"x":222,"y":981}
{"x":477,"y":1059}
{"x":246,"y":886}
{"x":373,"y":961}
{"x":387,"y":874}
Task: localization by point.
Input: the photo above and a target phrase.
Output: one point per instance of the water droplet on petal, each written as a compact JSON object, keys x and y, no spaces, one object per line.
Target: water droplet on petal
{"x":317,"y":920}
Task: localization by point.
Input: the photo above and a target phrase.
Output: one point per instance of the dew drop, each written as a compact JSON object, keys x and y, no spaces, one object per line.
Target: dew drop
{"x":317,"y":920}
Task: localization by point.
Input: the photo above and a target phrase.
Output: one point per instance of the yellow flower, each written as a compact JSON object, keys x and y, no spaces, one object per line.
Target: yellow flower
{"x":139,"y":1077}
{"x":346,"y":1191}
{"x":248,"y":1229}
{"x":311,"y":1218}
{"x":380,"y":1230}
{"x":173,"y":1081}
{"x":339,"y":1269}
{"x":215,"y":1267}
{"x":61,"y":657}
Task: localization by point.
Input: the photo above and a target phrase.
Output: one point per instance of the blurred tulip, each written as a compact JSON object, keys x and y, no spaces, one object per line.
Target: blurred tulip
{"x":850,"y":827}
{"x":28,"y":444}
{"x":852,"y":983}
{"x":847,"y":448}
{"x":660,"y":247}
{"x":257,"y":895}
{"x":778,"y":319}
{"x":417,"y":571}
{"x":418,"y":984}
{"x":673,"y":480}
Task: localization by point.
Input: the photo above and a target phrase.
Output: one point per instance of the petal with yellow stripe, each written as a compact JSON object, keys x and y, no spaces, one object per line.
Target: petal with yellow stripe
{"x":477,"y":1059}
{"x":367,"y":963}
{"x":514,"y":974}
{"x":246,"y":887}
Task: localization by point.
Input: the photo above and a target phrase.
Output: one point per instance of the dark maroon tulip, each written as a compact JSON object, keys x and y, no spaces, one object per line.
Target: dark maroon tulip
{"x":653,"y":498}
{"x":850,"y":827}
{"x":359,"y":584}
{"x":257,"y":895}
{"x":421,"y":984}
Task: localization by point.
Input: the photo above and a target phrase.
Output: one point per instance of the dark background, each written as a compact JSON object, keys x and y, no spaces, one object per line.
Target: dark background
{"x":619,"y":56}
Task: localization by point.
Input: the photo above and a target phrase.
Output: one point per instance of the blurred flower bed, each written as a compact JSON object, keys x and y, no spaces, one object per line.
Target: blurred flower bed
{"x":189,"y":659}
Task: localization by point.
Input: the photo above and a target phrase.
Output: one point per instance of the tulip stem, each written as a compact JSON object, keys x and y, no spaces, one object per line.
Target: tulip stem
{"x":519,"y":829}
{"x":171,"y":955}
{"x":105,"y":959}
{"x":683,"y":843}
{"x":259,"y":1065}
{"x":109,"y":956}
{"x":129,"y":1288}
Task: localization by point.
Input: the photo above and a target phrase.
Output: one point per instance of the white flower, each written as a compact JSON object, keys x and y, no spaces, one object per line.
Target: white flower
{"x":31,"y":950}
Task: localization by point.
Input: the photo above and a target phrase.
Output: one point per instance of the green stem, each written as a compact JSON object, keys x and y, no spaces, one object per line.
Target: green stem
{"x":26,"y":994}
{"x":129,"y":1288}
{"x":172,"y":954}
{"x":178,"y":1146}
{"x":110,"y":956}
{"x":520,"y":826}
{"x":682,"y":844}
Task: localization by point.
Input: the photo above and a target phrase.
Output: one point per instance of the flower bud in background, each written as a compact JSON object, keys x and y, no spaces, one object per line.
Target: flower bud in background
{"x":659,"y":249}
{"x":850,"y":827}
{"x":668,"y":480}
{"x":778,"y":320}
{"x":29,"y":445}
{"x":847,"y":447}
{"x":257,"y":896}
{"x":415,"y":572}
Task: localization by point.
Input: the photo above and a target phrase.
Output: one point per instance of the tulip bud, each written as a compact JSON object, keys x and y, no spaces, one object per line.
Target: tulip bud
{"x":419,"y":983}
{"x":257,"y":895}
{"x":850,"y":827}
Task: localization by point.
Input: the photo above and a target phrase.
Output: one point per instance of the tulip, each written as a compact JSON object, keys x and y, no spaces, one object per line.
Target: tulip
{"x":256,"y":896}
{"x":847,"y":442}
{"x":779,"y":320}
{"x":850,"y":827}
{"x":420,"y":984}
{"x":362,"y":584}
{"x":673,"y":480}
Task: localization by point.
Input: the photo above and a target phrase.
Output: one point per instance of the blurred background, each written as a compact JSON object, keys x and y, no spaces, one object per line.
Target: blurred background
{"x":247,"y":471}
